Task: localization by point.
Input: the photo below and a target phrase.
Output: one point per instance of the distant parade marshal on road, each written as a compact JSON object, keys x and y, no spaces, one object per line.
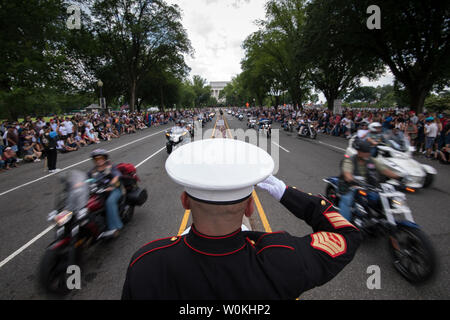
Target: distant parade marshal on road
{"x":216,"y":260}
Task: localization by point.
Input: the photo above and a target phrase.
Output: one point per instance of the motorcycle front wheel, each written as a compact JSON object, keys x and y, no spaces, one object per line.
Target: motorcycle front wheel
{"x":413,"y":253}
{"x":428,"y":180}
{"x":169,"y":148}
{"x":53,"y":272}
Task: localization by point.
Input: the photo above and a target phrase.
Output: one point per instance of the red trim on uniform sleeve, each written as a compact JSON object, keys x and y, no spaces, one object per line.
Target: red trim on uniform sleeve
{"x":155,"y":241}
{"x":154,"y":249}
{"x":276,"y":246}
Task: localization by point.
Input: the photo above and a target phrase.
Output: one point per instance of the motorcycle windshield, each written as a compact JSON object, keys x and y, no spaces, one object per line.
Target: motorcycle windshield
{"x":397,"y":141}
{"x":177,"y":130}
{"x":77,"y":191}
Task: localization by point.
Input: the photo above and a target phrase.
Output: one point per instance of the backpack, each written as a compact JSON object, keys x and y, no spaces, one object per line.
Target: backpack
{"x":128,"y":170}
{"x":129,"y":177}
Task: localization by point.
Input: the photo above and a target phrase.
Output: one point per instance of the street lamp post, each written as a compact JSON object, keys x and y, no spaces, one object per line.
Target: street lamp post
{"x":100,"y":85}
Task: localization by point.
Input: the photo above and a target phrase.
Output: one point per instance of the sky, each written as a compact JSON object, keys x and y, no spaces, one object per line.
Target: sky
{"x":217,"y":29}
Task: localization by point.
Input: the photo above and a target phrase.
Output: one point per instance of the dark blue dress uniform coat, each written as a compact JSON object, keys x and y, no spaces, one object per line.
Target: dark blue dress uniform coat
{"x":246,"y":264}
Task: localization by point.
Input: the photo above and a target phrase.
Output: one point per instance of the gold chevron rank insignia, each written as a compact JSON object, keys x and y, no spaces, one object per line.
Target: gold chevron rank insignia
{"x":331,"y":243}
{"x":337,"y":220}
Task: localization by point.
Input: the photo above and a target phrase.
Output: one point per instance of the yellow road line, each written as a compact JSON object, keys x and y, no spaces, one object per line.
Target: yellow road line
{"x":259,"y":207}
{"x":262,"y":215}
{"x":184,"y":222}
{"x":214,"y":130}
{"x":188,"y":212}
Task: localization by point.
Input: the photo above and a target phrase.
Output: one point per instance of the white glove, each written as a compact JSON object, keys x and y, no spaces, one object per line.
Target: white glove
{"x":274,"y":186}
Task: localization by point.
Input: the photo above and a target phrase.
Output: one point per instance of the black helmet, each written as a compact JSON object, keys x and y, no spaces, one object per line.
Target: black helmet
{"x":99,"y":153}
{"x":362,"y":145}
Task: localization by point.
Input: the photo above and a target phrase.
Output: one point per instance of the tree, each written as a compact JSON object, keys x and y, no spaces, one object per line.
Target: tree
{"x":278,"y":44}
{"x":160,"y":88}
{"x":187,"y":95}
{"x":364,"y":94}
{"x":333,"y":70}
{"x":138,"y":36}
{"x":32,"y":65}
{"x":201,"y":90}
{"x":437,"y":103}
{"x":235,"y":92}
{"x":413,"y":40}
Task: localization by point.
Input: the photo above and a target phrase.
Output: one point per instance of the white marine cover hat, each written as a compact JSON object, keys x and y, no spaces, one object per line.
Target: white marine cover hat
{"x":219,"y":171}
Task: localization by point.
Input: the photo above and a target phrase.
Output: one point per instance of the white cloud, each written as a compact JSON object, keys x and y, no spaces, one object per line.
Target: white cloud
{"x":217,"y":29}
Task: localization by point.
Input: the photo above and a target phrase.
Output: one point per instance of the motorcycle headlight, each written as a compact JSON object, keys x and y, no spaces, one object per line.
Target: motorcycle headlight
{"x":63,"y":217}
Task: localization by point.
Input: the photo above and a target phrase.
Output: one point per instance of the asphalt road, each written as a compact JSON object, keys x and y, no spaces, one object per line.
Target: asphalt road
{"x":28,"y":193}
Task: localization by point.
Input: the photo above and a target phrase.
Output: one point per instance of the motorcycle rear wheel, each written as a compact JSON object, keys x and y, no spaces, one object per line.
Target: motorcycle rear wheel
{"x":413,"y":253}
{"x":127,"y":215}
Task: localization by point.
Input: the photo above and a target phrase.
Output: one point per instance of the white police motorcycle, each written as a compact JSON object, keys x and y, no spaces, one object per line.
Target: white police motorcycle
{"x":176,"y":136}
{"x":265,"y":127}
{"x":396,"y":154}
{"x":307,"y":130}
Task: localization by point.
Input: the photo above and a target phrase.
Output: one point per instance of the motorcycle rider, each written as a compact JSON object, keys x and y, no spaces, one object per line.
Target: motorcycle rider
{"x":110,"y":175}
{"x":363,"y":165}
{"x":375,"y":137}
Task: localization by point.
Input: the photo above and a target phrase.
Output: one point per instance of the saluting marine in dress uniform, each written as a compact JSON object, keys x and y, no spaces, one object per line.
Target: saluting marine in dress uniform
{"x":216,"y":259}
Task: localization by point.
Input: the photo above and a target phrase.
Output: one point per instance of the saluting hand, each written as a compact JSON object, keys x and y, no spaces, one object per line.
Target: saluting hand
{"x":274,"y":186}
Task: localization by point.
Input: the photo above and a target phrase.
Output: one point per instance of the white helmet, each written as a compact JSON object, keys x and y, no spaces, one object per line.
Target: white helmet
{"x":373,"y":127}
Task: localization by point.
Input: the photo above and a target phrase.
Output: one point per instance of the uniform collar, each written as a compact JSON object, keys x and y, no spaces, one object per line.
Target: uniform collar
{"x":215,"y":245}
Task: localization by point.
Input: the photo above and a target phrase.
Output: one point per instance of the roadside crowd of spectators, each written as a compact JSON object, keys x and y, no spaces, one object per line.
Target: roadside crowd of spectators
{"x":429,"y":133}
{"x":24,"y":141}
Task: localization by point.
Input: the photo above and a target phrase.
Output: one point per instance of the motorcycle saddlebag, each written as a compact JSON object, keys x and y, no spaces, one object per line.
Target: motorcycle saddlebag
{"x":137,"y":197}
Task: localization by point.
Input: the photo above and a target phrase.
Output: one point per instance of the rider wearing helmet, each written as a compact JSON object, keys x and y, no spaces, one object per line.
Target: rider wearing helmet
{"x":108,"y":174}
{"x":362,"y":164}
{"x":375,"y":137}
{"x":362,"y":130}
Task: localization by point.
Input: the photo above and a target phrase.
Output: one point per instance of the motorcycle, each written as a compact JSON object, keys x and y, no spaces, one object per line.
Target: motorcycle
{"x":266,"y":128}
{"x":307,"y":130}
{"x":387,"y":214}
{"x":396,"y":154}
{"x":176,"y":137}
{"x":80,"y":220}
{"x":289,"y":126}
{"x":251,"y":123}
